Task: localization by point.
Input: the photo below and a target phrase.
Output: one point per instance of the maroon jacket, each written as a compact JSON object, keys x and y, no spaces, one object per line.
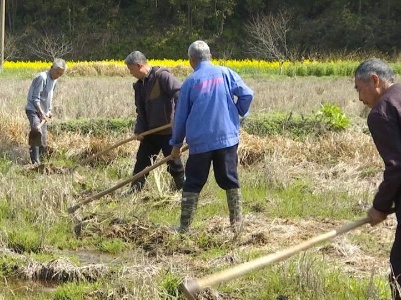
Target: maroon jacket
{"x":155,"y":99}
{"x":384,"y":121}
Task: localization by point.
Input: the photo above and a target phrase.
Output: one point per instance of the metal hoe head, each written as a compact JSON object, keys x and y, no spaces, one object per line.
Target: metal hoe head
{"x":189,"y":288}
{"x":35,"y":138}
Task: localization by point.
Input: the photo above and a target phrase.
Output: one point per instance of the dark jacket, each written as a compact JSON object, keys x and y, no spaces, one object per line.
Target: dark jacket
{"x":384,"y":121}
{"x":155,"y":99}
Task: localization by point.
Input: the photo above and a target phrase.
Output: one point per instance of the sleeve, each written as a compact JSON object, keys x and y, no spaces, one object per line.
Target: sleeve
{"x":170,"y":85}
{"x":141,"y":122}
{"x":243,"y":93}
{"x":51,"y":96}
{"x":181,"y":115}
{"x":387,"y":138}
{"x":38,"y":85}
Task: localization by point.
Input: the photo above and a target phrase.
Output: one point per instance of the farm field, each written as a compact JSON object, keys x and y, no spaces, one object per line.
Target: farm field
{"x":122,"y":247}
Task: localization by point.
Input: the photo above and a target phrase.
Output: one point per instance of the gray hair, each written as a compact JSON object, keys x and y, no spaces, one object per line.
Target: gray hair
{"x":59,"y":63}
{"x":135,"y":57}
{"x":375,"y":66}
{"x":199,"y":51}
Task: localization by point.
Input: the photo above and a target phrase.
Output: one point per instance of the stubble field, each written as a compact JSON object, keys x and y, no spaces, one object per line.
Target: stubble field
{"x":122,"y":247}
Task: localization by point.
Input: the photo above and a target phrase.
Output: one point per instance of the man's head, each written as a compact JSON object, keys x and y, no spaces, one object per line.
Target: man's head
{"x":58,"y":68}
{"x":137,"y":64}
{"x":372,"y":78}
{"x":198,"y":51}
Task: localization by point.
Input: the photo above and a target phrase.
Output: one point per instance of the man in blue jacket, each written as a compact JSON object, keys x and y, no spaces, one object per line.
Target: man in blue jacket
{"x":210,"y":103}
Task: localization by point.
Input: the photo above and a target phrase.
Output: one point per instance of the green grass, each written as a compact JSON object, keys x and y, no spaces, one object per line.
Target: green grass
{"x":329,"y":118}
{"x":96,"y":127}
{"x":35,"y":223}
{"x":306,"y":276}
{"x":72,"y":291}
{"x":113,"y":246}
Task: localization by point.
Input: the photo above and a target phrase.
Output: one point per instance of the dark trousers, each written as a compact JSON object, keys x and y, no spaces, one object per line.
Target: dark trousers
{"x":395,"y":256}
{"x":225,"y":163}
{"x":36,"y":152}
{"x":150,"y":147}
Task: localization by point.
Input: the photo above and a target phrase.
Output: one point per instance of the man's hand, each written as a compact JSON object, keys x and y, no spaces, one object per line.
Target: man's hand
{"x":43,"y":116}
{"x":139,"y":137}
{"x":375,"y":216}
{"x":49,"y":115}
{"x":41,"y":113}
{"x":176,"y":152}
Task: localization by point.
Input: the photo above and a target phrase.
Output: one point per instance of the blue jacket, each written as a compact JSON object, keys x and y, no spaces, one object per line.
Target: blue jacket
{"x":207,"y":113}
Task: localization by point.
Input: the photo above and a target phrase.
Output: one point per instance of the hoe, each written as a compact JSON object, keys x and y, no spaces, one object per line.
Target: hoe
{"x":73,"y":208}
{"x":193,"y":286}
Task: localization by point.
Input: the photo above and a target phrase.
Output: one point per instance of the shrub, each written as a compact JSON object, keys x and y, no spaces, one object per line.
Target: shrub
{"x":328,"y":118}
{"x":333,"y":117}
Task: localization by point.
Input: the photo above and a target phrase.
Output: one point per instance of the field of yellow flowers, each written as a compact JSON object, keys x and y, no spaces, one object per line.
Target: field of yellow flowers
{"x":243,"y":67}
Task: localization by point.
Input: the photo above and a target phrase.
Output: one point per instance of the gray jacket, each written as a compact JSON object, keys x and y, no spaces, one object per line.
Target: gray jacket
{"x":41,"y":92}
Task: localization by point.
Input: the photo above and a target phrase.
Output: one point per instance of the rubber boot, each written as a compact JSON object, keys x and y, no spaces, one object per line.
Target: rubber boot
{"x":34,"y":154}
{"x":234,"y":202}
{"x":189,"y":203}
{"x":42,"y":153}
{"x":137,"y":185}
{"x":179,"y":181}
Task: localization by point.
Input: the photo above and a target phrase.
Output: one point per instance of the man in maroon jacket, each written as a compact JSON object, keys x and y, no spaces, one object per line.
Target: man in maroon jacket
{"x":156,"y":93}
{"x":374,"y":82}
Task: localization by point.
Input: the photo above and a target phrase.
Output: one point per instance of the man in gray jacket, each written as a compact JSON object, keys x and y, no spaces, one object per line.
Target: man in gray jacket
{"x":39,"y":104}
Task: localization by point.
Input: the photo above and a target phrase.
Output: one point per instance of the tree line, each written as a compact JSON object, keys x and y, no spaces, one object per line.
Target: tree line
{"x":234,"y":29}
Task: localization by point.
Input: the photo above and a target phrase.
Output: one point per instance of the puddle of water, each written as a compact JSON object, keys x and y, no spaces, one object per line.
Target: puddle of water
{"x":24,"y":289}
{"x":11,"y":288}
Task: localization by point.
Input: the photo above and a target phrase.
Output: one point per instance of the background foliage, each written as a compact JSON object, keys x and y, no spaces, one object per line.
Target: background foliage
{"x":96,"y":30}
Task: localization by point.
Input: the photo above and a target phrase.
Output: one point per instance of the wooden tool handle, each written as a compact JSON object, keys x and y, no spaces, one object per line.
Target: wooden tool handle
{"x":128,"y":180}
{"x":193,"y":286}
{"x":151,"y":131}
{"x":41,"y":124}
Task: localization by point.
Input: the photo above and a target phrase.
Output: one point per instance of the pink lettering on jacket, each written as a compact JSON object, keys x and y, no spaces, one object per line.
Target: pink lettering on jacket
{"x":208,"y":85}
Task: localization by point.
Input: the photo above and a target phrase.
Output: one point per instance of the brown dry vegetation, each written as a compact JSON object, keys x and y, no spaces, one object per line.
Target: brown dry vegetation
{"x":345,"y":161}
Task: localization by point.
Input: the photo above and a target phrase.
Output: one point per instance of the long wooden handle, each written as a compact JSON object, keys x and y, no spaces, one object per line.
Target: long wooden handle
{"x":41,"y":124}
{"x":151,"y":131}
{"x":122,"y":183}
{"x":195,"y":285}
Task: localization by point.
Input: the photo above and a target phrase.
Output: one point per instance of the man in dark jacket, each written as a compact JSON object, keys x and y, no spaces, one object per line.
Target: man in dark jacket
{"x":374,"y":82}
{"x":156,"y":93}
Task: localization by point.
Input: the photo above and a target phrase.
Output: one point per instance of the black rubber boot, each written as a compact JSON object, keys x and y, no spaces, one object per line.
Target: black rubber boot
{"x":137,"y":186}
{"x":189,"y":203}
{"x":234,"y":201}
{"x":34,"y":154}
{"x":179,"y":181}
{"x":42,"y":153}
